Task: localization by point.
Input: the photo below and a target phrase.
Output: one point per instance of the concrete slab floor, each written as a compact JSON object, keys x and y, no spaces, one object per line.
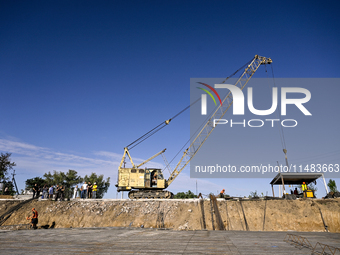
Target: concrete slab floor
{"x":154,"y":241}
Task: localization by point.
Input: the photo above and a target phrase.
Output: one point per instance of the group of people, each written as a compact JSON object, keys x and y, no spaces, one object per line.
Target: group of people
{"x":87,"y":190}
{"x":304,"y":189}
{"x":48,"y":192}
{"x":59,"y":193}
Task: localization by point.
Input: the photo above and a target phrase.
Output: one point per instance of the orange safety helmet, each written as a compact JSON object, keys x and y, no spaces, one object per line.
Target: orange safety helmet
{"x":303,"y":183}
{"x":33,"y":209}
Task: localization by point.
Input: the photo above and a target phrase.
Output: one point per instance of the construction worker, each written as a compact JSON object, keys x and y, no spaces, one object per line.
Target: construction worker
{"x":34,"y":218}
{"x":304,"y":189}
{"x":94,"y":190}
{"x":222,"y":193}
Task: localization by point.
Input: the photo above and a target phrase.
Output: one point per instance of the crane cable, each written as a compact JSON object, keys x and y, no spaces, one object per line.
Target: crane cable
{"x":157,"y":128}
{"x":283,"y":140}
{"x":278,"y":116}
{"x":242,"y":67}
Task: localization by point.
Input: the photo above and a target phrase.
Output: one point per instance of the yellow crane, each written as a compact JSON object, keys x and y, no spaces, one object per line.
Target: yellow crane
{"x":150,"y":182}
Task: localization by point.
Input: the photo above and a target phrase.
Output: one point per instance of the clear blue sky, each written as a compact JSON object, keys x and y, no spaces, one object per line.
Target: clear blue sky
{"x":82,"y":79}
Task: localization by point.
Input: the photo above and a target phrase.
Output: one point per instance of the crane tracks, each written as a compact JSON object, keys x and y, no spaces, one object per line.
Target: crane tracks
{"x":150,"y":194}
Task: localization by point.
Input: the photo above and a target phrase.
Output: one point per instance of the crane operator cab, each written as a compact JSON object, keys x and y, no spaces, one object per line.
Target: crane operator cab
{"x":154,"y":178}
{"x":156,"y":175}
{"x":132,"y":178}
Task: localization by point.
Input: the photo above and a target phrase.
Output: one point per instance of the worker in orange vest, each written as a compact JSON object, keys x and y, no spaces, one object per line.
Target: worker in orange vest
{"x":34,"y":218}
{"x":222,"y":193}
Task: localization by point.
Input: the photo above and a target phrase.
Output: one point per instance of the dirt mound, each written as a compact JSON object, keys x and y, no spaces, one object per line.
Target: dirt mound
{"x":6,"y":197}
{"x":270,"y":215}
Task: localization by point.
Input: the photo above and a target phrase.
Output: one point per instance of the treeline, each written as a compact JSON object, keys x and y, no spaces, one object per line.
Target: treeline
{"x":69,"y":180}
{"x":183,"y":195}
{"x":6,"y":165}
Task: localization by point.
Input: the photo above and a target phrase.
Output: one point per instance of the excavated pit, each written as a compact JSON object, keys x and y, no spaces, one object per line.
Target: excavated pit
{"x":188,"y":214}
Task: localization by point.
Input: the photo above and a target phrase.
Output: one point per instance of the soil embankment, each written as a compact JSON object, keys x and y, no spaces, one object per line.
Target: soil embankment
{"x":270,"y":215}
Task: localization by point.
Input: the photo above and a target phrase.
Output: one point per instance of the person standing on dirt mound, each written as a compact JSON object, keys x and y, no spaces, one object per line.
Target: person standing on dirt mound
{"x":75,"y":191}
{"x":94,"y":191}
{"x":34,"y":218}
{"x":89,"y":190}
{"x":35,"y":190}
{"x":50,"y":192}
{"x":62,"y":195}
{"x":84,"y":195}
{"x":57,"y":192}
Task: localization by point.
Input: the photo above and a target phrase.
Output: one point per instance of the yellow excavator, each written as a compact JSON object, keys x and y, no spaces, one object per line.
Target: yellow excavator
{"x":149,"y":182}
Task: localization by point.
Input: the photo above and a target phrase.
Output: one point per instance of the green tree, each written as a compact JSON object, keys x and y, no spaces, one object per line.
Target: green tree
{"x":179,"y":195}
{"x":49,"y":179}
{"x":36,"y":180}
{"x":103,"y":185}
{"x":182,"y":195}
{"x":10,"y":186}
{"x":5,"y":166}
{"x":59,"y":177}
{"x":69,"y":179}
{"x":253,"y":194}
{"x":332,"y":185}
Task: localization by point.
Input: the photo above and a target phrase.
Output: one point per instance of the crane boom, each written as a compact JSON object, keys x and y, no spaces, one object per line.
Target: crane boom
{"x":202,"y":136}
{"x":150,"y":182}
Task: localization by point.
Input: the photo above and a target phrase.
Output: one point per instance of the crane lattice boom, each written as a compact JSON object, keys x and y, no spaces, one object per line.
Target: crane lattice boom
{"x":202,"y":136}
